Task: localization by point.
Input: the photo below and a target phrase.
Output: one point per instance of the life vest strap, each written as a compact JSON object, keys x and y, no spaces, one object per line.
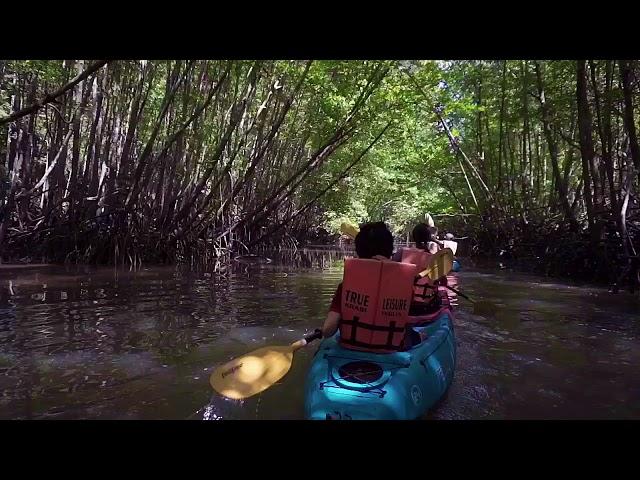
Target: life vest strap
{"x":355,"y":325}
{"x":424,"y":287}
{"x":378,"y":328}
{"x":366,"y":345}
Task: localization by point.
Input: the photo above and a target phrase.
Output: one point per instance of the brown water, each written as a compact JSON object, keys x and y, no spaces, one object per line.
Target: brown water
{"x":112,"y":344}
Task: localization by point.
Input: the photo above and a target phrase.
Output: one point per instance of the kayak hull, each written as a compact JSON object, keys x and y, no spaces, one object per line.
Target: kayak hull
{"x":393,"y":386}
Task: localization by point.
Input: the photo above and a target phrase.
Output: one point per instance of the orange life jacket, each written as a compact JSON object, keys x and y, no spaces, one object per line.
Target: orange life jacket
{"x":431,"y":312}
{"x":423,"y":290}
{"x":376,"y":296}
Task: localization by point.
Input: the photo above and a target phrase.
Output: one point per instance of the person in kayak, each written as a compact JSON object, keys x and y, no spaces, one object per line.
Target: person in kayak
{"x":434,"y":244}
{"x":426,"y":299}
{"x":423,"y":236}
{"x":374,"y":240}
{"x":371,"y":305}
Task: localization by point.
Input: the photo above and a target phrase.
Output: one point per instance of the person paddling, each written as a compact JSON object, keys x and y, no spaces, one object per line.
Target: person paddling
{"x":374,"y":241}
{"x":426,"y":298}
{"x":425,"y":238}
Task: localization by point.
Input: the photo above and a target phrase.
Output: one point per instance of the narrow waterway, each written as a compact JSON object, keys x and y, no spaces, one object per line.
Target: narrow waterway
{"x":104,"y":343}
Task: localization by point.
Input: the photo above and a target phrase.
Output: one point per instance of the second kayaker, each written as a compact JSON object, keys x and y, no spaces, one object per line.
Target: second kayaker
{"x":423,"y":237}
{"x":426,"y":299}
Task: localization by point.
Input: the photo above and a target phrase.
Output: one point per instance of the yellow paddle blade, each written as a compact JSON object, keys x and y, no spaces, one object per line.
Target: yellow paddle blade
{"x":252,"y":373}
{"x":349,"y":229}
{"x":440,"y":264}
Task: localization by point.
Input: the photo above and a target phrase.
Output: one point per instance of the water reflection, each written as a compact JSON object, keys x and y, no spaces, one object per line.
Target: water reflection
{"x":106,"y":343}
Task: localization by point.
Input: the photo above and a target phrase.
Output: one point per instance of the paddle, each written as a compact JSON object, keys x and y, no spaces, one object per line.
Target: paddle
{"x":440,"y":264}
{"x":256,"y":371}
{"x":349,"y":230}
{"x":480,"y":307}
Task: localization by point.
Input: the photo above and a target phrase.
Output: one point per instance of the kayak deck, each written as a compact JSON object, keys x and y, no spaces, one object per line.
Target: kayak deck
{"x":349,"y":384}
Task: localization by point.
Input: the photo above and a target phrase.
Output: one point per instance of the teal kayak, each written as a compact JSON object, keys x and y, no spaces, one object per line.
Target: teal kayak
{"x":345,"y":384}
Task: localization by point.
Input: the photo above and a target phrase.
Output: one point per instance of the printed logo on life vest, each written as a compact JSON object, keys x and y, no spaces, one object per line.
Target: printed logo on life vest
{"x":357,"y":301}
{"x":394,"y":307}
{"x":416,"y":394}
{"x":231,"y":370}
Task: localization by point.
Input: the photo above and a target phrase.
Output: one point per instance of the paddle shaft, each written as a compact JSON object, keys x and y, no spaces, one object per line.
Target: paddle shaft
{"x":317,"y":333}
{"x":307,"y":339}
{"x":457,"y":292}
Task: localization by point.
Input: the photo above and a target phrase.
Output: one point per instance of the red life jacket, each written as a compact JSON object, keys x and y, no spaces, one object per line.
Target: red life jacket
{"x":376,"y":296}
{"x":420,"y":319}
{"x":420,"y":258}
{"x":422,"y":291}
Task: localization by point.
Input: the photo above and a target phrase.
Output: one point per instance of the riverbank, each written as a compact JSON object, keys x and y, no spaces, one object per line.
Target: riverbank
{"x":24,"y":266}
{"x":311,"y":256}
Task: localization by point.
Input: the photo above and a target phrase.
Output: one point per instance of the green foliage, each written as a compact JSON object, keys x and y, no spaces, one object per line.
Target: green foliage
{"x":492,"y":109}
{"x":400,"y":179}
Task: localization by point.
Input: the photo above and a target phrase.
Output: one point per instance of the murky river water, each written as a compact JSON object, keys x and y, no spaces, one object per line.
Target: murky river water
{"x":81,"y":342}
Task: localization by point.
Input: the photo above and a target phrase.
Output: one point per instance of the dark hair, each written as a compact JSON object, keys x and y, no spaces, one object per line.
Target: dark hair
{"x":421,"y":235}
{"x":374,"y":239}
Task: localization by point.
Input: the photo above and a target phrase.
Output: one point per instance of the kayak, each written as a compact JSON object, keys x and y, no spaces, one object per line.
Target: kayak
{"x":345,"y":384}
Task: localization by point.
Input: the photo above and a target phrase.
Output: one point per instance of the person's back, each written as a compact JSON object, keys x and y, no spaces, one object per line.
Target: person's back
{"x":425,"y":295}
{"x":423,"y":237}
{"x":371,"y":305}
{"x":433,"y":245}
{"x":427,"y":298}
{"x":421,"y":254}
{"x":375,"y":304}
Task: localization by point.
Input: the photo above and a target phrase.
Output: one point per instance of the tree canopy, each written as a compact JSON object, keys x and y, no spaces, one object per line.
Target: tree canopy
{"x":123,"y":161}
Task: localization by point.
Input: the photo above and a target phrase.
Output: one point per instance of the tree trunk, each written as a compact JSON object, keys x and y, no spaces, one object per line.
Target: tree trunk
{"x":626,"y":73}
{"x":561,"y":187}
{"x":79,"y":101}
{"x":586,"y":140}
{"x":604,"y":128}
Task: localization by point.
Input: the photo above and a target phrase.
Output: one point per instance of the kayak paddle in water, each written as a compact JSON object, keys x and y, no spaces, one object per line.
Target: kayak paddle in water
{"x":480,"y":307}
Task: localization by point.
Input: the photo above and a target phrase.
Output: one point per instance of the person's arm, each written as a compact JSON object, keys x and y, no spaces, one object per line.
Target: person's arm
{"x":330,"y":325}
